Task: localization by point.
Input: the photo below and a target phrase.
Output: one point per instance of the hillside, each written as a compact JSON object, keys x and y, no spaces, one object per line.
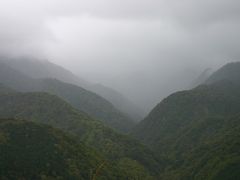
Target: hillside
{"x":119,"y":149}
{"x":197,"y":131}
{"x":11,"y":78}
{"x":229,"y":72}
{"x":193,"y":134}
{"x":34,"y":151}
{"x":182,"y":109}
{"x":209,"y":150}
{"x":83,"y":100}
{"x":41,"y":69}
{"x":88,"y":102}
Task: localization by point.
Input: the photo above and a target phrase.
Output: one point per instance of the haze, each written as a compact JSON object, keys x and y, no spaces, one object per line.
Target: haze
{"x":145,"y":49}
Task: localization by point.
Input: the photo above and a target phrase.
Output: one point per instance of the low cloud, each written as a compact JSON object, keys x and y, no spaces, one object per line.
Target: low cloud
{"x":143,"y":48}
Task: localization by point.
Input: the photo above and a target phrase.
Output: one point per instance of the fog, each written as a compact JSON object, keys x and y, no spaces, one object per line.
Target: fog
{"x":145,"y":49}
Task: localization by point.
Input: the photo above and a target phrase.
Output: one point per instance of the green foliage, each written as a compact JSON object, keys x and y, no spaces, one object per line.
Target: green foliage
{"x":213,"y":155}
{"x":88,"y":102}
{"x":132,"y":170}
{"x":181,"y":110}
{"x":195,"y":133}
{"x":83,"y":100}
{"x":198,"y":131}
{"x":49,"y":109}
{"x":34,"y":151}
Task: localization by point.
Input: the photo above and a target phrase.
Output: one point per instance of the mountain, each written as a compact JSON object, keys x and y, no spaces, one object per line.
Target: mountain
{"x":198,"y":131}
{"x":80,"y":98}
{"x":180,"y":110}
{"x":34,"y":151}
{"x":230,"y":72}
{"x":201,"y":78}
{"x":209,"y":150}
{"x":14,"y":79}
{"x":88,"y":102}
{"x":119,"y":101}
{"x":40,"y":69}
{"x":133,"y":158}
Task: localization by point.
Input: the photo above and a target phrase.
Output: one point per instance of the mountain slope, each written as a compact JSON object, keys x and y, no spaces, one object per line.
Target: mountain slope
{"x":14,"y":79}
{"x":229,"y":72}
{"x":120,"y":150}
{"x":119,"y":101}
{"x":34,"y":151}
{"x":80,"y":98}
{"x":40,"y":69}
{"x":198,"y":131}
{"x":88,"y":102}
{"x":210,"y":150}
{"x":178,"y":111}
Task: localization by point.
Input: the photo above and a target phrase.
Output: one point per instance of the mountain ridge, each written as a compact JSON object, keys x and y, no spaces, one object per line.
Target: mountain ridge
{"x":84,"y":100}
{"x":49,"y":109}
{"x":42,"y":69}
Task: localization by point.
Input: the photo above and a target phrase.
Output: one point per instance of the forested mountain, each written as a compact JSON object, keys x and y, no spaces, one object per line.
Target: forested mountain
{"x":33,"y":151}
{"x":88,"y":102}
{"x":132,"y":158}
{"x":198,"y":130}
{"x":80,"y":98}
{"x":193,"y":134}
{"x":208,"y":150}
{"x":182,"y":109}
{"x":230,"y":72}
{"x":40,"y":69}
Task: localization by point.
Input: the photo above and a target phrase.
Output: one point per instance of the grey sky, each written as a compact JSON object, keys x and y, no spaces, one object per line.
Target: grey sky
{"x":144,"y":48}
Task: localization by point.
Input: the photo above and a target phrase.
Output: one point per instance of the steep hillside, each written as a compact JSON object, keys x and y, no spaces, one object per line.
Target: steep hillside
{"x":88,"y":102}
{"x":229,"y":72}
{"x":197,"y":131}
{"x":84,"y":100}
{"x":34,"y":151}
{"x":40,"y":69}
{"x":120,"y":150}
{"x":209,"y":150}
{"x":182,"y":109}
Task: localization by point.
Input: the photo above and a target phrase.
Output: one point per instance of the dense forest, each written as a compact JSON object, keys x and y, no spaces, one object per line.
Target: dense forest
{"x":52,"y":128}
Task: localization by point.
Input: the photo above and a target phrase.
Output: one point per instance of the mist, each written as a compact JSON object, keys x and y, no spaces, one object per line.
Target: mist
{"x":145,"y":49}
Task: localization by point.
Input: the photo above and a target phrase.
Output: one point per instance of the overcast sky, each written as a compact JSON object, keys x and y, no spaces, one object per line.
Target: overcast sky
{"x":144,"y":48}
